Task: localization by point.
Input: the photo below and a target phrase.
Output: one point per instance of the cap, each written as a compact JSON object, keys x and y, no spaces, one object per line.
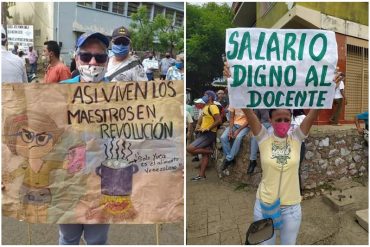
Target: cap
{"x":220,"y":92}
{"x":3,"y":33}
{"x":82,"y":39}
{"x":121,"y":32}
{"x":212,"y":94}
{"x":199,"y":101}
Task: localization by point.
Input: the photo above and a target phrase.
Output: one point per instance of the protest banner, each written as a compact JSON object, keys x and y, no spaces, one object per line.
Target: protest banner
{"x":21,"y":34}
{"x":281,"y":68}
{"x":93,"y":152}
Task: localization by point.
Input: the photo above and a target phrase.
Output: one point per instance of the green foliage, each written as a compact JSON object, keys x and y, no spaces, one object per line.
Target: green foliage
{"x":205,"y":43}
{"x":160,"y":35}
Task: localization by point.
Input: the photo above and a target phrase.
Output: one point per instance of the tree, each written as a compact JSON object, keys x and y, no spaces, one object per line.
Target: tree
{"x":205,"y":43}
{"x":171,"y":38}
{"x":161,"y":31}
{"x":142,"y":32}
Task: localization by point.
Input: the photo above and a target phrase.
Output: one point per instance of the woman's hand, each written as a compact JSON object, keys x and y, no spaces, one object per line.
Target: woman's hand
{"x":226,"y":70}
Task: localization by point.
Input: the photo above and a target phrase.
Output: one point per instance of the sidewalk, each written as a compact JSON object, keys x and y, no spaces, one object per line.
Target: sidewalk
{"x":219,"y":214}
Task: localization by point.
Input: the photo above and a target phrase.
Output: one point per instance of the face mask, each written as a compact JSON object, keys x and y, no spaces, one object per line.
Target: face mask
{"x":168,"y":56}
{"x":150,"y":57}
{"x":91,"y":73}
{"x":120,"y":50}
{"x":179,"y":65}
{"x":281,"y":129}
{"x":205,"y":99}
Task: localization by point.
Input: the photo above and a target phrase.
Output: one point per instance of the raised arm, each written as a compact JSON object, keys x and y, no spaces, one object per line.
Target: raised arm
{"x":253,"y":121}
{"x":308,"y":121}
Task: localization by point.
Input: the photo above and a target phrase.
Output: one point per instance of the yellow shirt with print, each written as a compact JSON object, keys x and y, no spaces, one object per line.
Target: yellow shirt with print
{"x":208,"y":119}
{"x":275,"y":153}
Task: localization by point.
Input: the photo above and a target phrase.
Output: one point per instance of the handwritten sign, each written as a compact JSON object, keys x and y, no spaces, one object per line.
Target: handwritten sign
{"x":21,"y":34}
{"x":93,"y":152}
{"x":281,"y":68}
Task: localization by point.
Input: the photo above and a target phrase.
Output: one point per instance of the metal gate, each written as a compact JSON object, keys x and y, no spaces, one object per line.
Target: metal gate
{"x":357,"y":81}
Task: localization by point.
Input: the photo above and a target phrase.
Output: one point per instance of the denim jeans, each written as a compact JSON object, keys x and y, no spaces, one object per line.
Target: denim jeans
{"x":231,"y":151}
{"x":150,"y":76}
{"x":33,"y":68}
{"x":254,"y":144}
{"x":291,"y":217}
{"x":95,"y":234}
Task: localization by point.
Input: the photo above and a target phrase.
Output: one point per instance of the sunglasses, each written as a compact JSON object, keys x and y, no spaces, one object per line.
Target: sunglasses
{"x":121,"y":41}
{"x":285,"y":120}
{"x":99,"y":58}
{"x":28,"y":136}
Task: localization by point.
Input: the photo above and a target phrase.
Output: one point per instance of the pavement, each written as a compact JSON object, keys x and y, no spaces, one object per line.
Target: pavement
{"x":16,"y":232}
{"x":218,"y":213}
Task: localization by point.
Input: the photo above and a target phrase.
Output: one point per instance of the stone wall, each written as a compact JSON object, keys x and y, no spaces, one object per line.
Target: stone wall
{"x":331,"y":154}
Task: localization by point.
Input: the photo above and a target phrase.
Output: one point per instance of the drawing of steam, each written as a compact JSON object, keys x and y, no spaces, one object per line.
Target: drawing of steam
{"x":117,"y":149}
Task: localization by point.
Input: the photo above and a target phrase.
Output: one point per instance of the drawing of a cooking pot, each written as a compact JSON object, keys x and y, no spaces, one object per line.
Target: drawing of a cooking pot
{"x":116,"y":177}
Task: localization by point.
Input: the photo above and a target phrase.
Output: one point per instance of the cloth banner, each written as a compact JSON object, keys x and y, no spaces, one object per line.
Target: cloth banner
{"x":93,"y":152}
{"x":281,"y":68}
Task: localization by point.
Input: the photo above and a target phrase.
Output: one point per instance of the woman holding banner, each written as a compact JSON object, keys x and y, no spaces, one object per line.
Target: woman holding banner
{"x":278,"y":194}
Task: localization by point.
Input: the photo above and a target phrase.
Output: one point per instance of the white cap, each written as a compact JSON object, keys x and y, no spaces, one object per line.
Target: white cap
{"x":3,"y":33}
{"x":199,"y":101}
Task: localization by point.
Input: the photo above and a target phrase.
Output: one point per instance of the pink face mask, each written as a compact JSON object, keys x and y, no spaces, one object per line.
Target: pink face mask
{"x":281,"y":129}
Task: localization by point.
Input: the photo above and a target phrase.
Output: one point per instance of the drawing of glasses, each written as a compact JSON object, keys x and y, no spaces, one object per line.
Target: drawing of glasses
{"x":29,"y":136}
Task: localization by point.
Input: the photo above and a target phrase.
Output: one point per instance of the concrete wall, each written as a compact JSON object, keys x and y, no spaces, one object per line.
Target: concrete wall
{"x":331,"y":154}
{"x":355,"y":12}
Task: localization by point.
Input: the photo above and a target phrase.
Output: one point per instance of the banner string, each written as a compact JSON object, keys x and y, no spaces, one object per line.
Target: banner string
{"x":29,"y":234}
{"x":157,"y":232}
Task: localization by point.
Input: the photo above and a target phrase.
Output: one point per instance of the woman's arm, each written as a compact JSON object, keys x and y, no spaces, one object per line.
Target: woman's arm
{"x":308,"y":121}
{"x":253,"y":121}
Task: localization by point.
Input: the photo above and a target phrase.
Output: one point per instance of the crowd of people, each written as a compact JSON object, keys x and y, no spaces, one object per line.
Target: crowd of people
{"x":122,"y":65}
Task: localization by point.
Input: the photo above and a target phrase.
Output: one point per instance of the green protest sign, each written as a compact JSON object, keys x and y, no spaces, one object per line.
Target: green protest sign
{"x":275,"y":68}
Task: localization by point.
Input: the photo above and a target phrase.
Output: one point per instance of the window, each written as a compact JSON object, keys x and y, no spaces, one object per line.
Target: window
{"x":158,"y":10}
{"x":148,"y":9}
{"x":179,"y":19}
{"x":86,"y":4}
{"x":118,"y":7}
{"x":170,"y":13}
{"x":102,"y":5}
{"x":132,"y":8}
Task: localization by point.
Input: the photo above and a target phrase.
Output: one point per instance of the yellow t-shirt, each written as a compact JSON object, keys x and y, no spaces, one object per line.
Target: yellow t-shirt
{"x":208,"y":119}
{"x":276,"y":152}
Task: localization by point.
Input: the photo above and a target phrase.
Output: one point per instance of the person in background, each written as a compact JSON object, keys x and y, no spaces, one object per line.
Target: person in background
{"x":23,"y":56}
{"x":197,"y":109}
{"x":339,"y":98}
{"x":207,"y":126}
{"x":189,"y":127}
{"x":176,"y":72}
{"x":32,"y":59}
{"x":126,"y":67}
{"x":165,"y":64}
{"x":91,"y":60}
{"x":12,"y":67}
{"x":232,"y":137}
{"x":15,"y":49}
{"x":363,"y":131}
{"x":56,"y":71}
{"x":149,"y":67}
{"x":264,"y":118}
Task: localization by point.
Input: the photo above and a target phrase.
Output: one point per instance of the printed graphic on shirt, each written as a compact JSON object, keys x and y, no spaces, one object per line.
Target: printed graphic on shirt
{"x":281,"y":152}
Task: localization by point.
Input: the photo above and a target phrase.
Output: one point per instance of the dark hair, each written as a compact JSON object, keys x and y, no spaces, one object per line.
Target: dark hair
{"x":53,"y":46}
{"x":21,"y":53}
{"x":272,"y":110}
{"x":3,"y":39}
{"x":298,"y":112}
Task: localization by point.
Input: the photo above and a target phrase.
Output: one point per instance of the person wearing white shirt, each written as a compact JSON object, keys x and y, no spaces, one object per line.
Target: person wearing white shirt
{"x":150,"y":64}
{"x":339,"y":97}
{"x":12,"y":69}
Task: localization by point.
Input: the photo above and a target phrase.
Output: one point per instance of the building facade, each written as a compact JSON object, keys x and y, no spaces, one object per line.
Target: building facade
{"x":349,"y":21}
{"x":66,"y":21}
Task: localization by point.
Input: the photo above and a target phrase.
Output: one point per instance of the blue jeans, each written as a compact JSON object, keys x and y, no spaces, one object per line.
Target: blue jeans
{"x":254,"y":144}
{"x":150,"y":76}
{"x":231,"y":150}
{"x":95,"y":234}
{"x":291,"y":217}
{"x":33,"y":68}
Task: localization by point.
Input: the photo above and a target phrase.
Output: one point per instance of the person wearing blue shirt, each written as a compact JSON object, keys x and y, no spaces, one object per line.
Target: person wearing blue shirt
{"x":363,"y":131}
{"x":91,"y":61}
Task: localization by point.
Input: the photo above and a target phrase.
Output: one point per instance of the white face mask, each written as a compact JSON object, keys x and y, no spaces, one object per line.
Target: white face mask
{"x":91,"y":73}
